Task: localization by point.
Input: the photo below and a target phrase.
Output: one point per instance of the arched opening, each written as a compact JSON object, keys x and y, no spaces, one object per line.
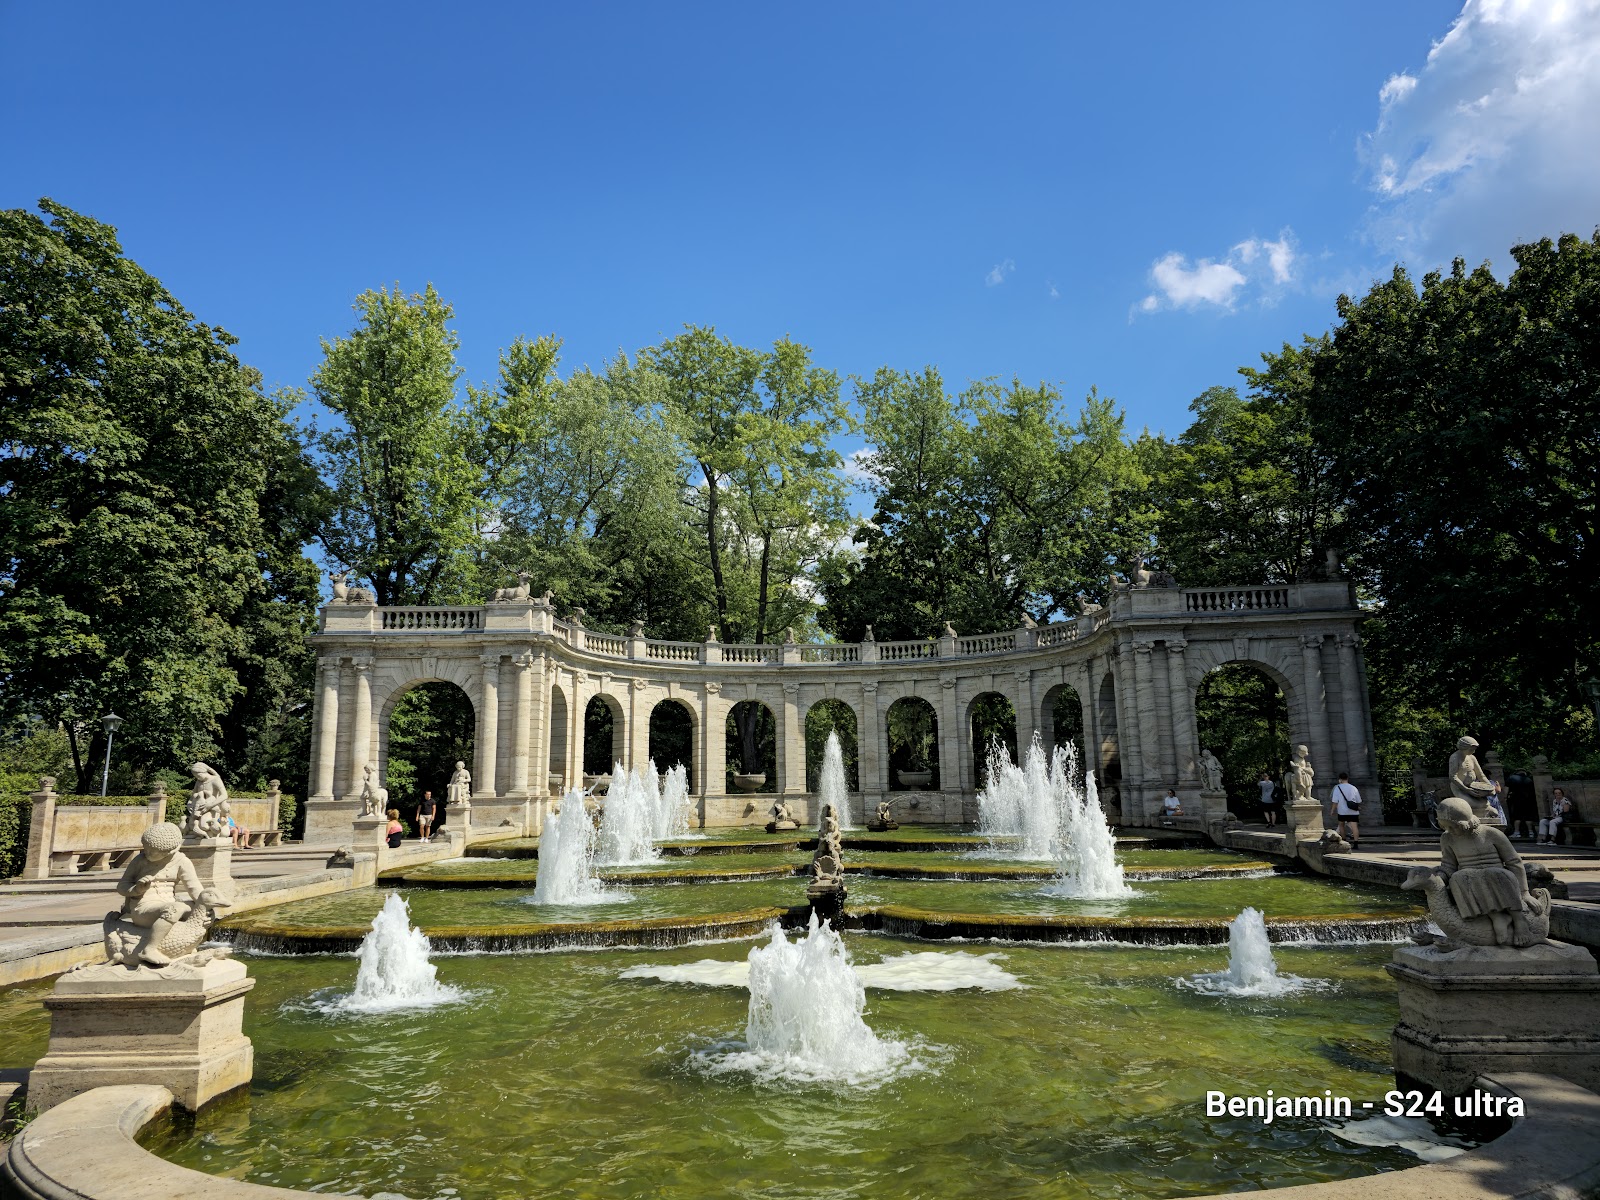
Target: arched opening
{"x":1061,"y":718}
{"x":752,"y":745}
{"x":556,"y":768}
{"x":430,"y":728}
{"x":825,"y":717}
{"x":603,"y":741}
{"x":672,"y":737}
{"x":990,"y":717}
{"x":913,"y":744}
{"x":1243,"y":719}
{"x":1109,"y":753}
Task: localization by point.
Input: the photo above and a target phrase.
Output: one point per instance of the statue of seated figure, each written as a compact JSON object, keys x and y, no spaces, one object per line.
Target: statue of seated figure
{"x":782,"y":818}
{"x":154,"y":925}
{"x":883,"y":820}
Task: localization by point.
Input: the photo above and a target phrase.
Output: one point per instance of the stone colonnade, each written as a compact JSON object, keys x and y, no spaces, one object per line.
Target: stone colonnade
{"x":1133,"y":666}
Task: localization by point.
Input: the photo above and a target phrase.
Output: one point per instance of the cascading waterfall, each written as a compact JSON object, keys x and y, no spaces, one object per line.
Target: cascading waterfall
{"x":831,"y":787}
{"x":672,"y":803}
{"x":1022,"y":802}
{"x":804,"y":1023}
{"x":1086,"y":857}
{"x":627,"y":822}
{"x":1252,"y":971}
{"x":395,"y":972}
{"x":566,"y":856}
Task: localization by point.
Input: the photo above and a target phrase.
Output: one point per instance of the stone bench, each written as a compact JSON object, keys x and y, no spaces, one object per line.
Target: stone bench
{"x":1580,"y":833}
{"x":260,"y":839}
{"x":78,"y":862}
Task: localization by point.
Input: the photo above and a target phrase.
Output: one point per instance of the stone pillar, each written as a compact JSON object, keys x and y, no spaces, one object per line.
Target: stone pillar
{"x":1316,"y":701}
{"x":955,"y":746}
{"x":1088,"y":702}
{"x":1185,"y":727}
{"x":521,"y":725}
{"x":42,"y":830}
{"x":1355,"y":722}
{"x":1543,"y":784}
{"x":180,"y":1027}
{"x":1127,"y":710}
{"x":360,"y":727}
{"x":1028,"y":714}
{"x":488,"y":729}
{"x":1161,"y":687}
{"x":714,"y":743}
{"x":1149,"y":756}
{"x":638,"y":724}
{"x":791,"y":749}
{"x":872,"y":759}
{"x":326,"y":723}
{"x":213,"y":862}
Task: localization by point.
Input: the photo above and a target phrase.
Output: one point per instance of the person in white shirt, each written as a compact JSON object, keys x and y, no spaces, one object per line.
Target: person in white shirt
{"x":1171,"y":806}
{"x":1560,"y":810}
{"x":1347,"y":808}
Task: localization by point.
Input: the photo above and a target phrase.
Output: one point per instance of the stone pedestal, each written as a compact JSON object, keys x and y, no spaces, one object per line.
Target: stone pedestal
{"x":213,"y":862}
{"x":367,"y":834}
{"x":179,"y":1027}
{"x":1304,"y":821}
{"x":1213,"y":807}
{"x":1492,"y":1009}
{"x":328,"y":821}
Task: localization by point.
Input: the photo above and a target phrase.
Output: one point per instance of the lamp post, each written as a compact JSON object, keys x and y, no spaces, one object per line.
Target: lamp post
{"x":112,"y":722}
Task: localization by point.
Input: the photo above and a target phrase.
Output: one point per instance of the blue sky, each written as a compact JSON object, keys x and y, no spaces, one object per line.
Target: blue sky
{"x":1135,"y":197}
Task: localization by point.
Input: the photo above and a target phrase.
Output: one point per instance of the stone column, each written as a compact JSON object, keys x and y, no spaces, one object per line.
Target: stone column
{"x":42,"y":830}
{"x":1544,"y":783}
{"x":638,"y":723}
{"x":1185,"y":727}
{"x":714,"y":744}
{"x":522,"y":725}
{"x":360,"y":726}
{"x":326,"y":723}
{"x":791,"y":749}
{"x":488,"y":728}
{"x":1355,"y":725}
{"x":1125,"y":703}
{"x":1088,"y":702}
{"x":1028,"y":714}
{"x":955,"y":742}
{"x":1149,"y":756}
{"x":871,"y":756}
{"x":1317,"y":709}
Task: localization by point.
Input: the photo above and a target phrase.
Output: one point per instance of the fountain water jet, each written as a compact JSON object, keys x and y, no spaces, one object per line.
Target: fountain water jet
{"x":1252,"y":971}
{"x":566,"y":856}
{"x":627,"y":822}
{"x":395,"y":972}
{"x":672,"y":805}
{"x":1086,"y":855}
{"x":831,"y":787}
{"x":1021,"y":802}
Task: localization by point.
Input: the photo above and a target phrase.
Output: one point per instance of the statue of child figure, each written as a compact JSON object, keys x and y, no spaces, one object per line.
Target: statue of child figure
{"x":151,"y":907}
{"x":459,"y":789}
{"x":1485,"y":876}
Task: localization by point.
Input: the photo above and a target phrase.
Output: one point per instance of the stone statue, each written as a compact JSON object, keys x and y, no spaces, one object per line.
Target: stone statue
{"x":782,"y":817}
{"x":826,"y":868}
{"x":1297,"y":780}
{"x":154,"y":926}
{"x":206,"y":815}
{"x":826,"y":891}
{"x":1467,"y":780}
{"x":374,"y":797}
{"x":341,"y":592}
{"x":520,"y":592}
{"x":459,"y":790}
{"x":1210,"y":771}
{"x":1479,"y":893}
{"x":883,"y":820}
{"x":950,"y":630}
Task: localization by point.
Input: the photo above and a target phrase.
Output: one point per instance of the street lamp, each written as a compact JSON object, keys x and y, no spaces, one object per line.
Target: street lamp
{"x":112,"y":722}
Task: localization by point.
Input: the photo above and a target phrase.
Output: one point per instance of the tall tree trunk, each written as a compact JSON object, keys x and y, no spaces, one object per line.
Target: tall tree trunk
{"x":713,"y":509}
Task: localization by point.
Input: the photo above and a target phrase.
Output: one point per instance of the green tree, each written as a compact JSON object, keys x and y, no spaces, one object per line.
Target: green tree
{"x":135,"y":452}
{"x":404,"y":495}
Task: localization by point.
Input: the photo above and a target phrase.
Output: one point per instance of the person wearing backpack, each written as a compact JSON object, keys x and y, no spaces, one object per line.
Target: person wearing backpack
{"x":1347,"y":808}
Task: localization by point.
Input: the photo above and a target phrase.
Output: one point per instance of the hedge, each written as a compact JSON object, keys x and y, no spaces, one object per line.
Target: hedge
{"x":16,"y":815}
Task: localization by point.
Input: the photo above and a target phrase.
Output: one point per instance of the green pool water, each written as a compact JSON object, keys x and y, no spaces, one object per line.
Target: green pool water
{"x":557,"y":1077}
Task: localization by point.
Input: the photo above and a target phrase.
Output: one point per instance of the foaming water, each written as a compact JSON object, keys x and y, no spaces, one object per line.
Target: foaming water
{"x":627,"y":819}
{"x":831,"y":788}
{"x":672,"y":804}
{"x":1086,"y":855}
{"x":1252,"y":971}
{"x":395,"y":973}
{"x":930,"y":971}
{"x":804,"y":1023}
{"x":566,"y":857}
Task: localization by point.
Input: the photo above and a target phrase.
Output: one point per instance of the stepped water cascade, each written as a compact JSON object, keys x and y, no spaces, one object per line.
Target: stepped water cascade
{"x":1026,"y":803}
{"x":831,"y":787}
{"x":395,"y":972}
{"x":672,"y":803}
{"x":1252,"y":971}
{"x":627,"y":821}
{"x":804,"y":1023}
{"x":1086,"y":855}
{"x":566,"y":856}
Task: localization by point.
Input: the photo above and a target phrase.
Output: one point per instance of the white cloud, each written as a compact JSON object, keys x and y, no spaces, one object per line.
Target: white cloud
{"x":1055,"y":293}
{"x":858,"y":466}
{"x":1254,"y":266}
{"x":1493,"y":140}
{"x":997,"y":274}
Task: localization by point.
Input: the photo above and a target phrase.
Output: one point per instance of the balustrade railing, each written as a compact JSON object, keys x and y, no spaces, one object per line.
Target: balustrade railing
{"x":429,"y":618}
{"x":1056,"y":635}
{"x":673,"y":651}
{"x":899,"y":651}
{"x":830,"y":653}
{"x":987,"y":643}
{"x":1235,"y":599}
{"x":748,"y":654}
{"x":602,"y":643}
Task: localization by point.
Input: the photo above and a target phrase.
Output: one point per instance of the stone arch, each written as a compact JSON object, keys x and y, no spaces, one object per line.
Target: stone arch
{"x":991,"y":716}
{"x":831,"y":714}
{"x":1281,"y":664}
{"x":605,"y":734}
{"x":558,"y":722}
{"x":1250,"y":728}
{"x":671,"y":737}
{"x":1061,"y":721}
{"x":911,"y":726}
{"x":428,"y":753}
{"x":760,"y":755}
{"x":1108,"y":754}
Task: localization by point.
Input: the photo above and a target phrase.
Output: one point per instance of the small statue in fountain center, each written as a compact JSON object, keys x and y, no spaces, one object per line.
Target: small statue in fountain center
{"x":1297,"y":780}
{"x":782,"y":817}
{"x":154,"y":925}
{"x":459,"y":790}
{"x":374,"y":797}
{"x":882,"y":819}
{"x":1485,"y":877}
{"x":206,"y":815}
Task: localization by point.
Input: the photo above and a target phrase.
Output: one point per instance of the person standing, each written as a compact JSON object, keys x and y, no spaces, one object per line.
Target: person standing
{"x":1269,"y":798}
{"x":1524,"y":805}
{"x":425,"y":815}
{"x":1347,"y":808}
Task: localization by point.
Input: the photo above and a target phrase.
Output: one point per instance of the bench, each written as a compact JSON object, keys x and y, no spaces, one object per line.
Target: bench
{"x":260,"y":839}
{"x":77,"y":862}
{"x":1579,"y":833}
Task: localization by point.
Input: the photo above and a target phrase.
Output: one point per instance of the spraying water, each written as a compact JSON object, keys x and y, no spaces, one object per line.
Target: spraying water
{"x":395,"y":972}
{"x":672,"y":803}
{"x":1025,"y":803}
{"x":566,"y":857}
{"x":804,"y":1023}
{"x":831,"y":787}
{"x":1086,"y":858}
{"x":627,"y":823}
{"x":1252,"y":971}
